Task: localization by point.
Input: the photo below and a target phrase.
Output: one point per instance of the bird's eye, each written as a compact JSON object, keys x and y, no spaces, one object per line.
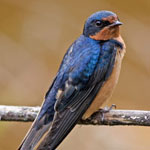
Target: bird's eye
{"x":98,"y":23}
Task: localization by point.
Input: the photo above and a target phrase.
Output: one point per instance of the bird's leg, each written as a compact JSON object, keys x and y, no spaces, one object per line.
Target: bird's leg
{"x":106,"y":110}
{"x":99,"y":115}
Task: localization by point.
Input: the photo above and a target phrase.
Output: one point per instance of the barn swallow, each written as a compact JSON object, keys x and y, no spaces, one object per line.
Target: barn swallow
{"x":85,"y":80}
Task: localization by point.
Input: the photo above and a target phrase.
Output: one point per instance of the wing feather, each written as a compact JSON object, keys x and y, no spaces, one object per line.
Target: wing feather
{"x":70,"y":109}
{"x":65,"y":121}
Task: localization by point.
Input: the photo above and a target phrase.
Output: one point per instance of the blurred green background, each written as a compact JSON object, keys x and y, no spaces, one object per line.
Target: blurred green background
{"x":35,"y":34}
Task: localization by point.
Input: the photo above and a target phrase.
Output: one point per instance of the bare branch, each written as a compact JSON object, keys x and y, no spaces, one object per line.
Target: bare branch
{"x":114,"y":117}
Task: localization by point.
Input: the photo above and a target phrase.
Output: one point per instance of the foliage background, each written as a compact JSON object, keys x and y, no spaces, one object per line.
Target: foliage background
{"x":35,"y":34}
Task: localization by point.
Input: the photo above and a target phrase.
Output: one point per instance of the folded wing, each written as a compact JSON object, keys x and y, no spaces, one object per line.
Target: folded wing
{"x":81,"y":87}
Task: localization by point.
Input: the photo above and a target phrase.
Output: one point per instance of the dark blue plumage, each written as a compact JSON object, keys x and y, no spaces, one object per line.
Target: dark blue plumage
{"x":85,"y":68}
{"x":82,"y":50}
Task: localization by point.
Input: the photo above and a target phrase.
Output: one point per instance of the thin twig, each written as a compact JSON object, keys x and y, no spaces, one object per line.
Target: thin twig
{"x":113,"y":117}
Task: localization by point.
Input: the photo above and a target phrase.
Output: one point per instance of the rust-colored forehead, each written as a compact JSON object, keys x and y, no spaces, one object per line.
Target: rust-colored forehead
{"x":111,"y":19}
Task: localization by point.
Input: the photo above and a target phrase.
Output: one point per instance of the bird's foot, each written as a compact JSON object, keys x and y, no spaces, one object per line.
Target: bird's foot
{"x":99,"y":116}
{"x":106,"y":110}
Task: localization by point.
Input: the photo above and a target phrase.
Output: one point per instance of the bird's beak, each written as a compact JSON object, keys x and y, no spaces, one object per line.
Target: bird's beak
{"x":116,"y":23}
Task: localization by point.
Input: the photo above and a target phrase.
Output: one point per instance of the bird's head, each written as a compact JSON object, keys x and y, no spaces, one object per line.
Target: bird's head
{"x":102,"y":25}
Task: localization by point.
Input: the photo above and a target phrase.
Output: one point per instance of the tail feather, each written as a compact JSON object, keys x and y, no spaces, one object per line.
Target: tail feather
{"x":38,"y":129}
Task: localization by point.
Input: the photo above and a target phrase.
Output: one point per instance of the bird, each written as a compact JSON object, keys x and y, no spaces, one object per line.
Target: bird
{"x":85,"y":79}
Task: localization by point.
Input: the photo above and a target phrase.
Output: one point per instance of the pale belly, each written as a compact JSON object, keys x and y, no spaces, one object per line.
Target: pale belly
{"x":107,"y":88}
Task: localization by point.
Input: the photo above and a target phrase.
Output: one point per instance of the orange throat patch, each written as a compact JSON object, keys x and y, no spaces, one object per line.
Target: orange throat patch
{"x":107,"y":33}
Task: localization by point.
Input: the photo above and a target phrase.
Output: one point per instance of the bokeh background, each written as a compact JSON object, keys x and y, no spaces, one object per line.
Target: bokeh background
{"x":35,"y":34}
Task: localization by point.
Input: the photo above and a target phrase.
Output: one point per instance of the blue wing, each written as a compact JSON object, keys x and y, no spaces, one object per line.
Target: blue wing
{"x":70,"y":67}
{"x":80,"y":84}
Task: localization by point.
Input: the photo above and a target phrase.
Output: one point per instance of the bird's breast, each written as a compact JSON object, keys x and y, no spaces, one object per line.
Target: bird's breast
{"x":108,"y":86}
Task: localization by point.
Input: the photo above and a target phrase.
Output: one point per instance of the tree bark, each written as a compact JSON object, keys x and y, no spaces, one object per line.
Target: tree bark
{"x":113,"y":117}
